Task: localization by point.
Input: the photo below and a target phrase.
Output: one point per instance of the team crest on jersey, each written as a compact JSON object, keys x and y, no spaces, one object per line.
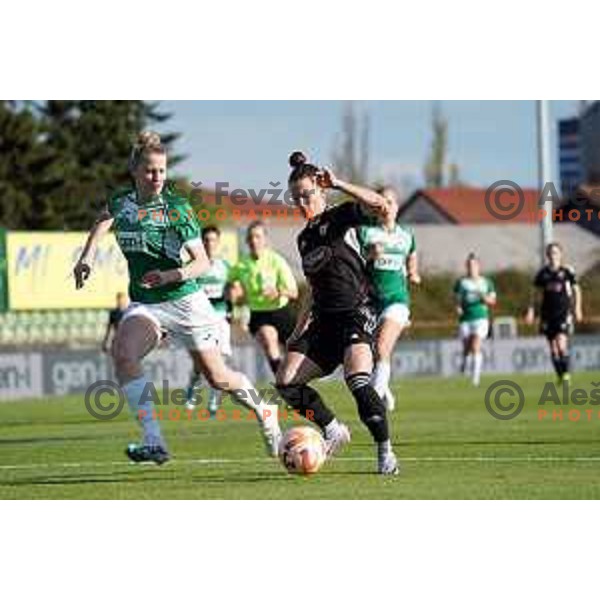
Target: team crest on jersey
{"x":323,"y":229}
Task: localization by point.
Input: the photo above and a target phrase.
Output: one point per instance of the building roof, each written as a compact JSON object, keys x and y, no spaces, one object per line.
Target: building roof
{"x":467,"y":205}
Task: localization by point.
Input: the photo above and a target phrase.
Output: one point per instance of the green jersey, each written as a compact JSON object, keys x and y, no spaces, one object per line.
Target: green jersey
{"x":386,"y":253}
{"x":213,"y":282}
{"x":152,"y":236}
{"x":470,"y":294}
{"x":270,"y":271}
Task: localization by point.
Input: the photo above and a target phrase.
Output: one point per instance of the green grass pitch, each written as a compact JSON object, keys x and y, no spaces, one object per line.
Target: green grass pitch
{"x":448,"y":444}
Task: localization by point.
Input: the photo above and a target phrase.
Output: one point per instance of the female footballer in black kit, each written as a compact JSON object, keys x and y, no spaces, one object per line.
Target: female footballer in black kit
{"x":337,"y":322}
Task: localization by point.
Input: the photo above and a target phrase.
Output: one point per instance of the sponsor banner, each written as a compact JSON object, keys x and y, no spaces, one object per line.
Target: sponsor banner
{"x":20,"y":376}
{"x":51,"y":373}
{"x":39,"y":270}
{"x":416,"y":358}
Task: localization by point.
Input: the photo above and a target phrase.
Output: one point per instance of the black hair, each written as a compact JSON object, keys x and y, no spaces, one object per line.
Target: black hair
{"x":256,"y":225}
{"x":211,"y":229}
{"x":301,"y":168}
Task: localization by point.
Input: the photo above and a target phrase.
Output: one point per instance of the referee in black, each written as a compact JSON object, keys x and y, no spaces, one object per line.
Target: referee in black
{"x":558,"y":301}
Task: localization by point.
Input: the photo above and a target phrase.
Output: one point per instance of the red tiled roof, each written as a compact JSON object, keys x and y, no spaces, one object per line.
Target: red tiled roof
{"x":466,"y":205}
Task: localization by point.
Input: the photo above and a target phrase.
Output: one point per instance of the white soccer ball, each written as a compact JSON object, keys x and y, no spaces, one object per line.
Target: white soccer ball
{"x":302,"y":450}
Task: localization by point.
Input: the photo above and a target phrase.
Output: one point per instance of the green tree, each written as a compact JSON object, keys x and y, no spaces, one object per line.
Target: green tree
{"x":436,"y":162}
{"x":25,"y":165}
{"x":90,"y":141}
{"x":351,"y":154}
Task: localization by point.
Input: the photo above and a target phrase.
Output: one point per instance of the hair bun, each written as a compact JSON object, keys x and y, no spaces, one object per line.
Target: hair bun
{"x":148,"y":139}
{"x":297,"y":159}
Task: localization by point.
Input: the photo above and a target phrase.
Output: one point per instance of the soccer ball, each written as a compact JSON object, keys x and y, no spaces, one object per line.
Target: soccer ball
{"x":302,"y":450}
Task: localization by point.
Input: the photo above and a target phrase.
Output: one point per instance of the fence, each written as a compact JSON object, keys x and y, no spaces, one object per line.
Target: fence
{"x":46,"y":373}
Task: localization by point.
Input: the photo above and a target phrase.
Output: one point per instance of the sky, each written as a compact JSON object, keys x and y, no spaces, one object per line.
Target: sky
{"x":247,"y":143}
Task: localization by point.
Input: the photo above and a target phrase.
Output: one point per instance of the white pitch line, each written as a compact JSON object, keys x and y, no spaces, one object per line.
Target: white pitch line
{"x":232,"y":461}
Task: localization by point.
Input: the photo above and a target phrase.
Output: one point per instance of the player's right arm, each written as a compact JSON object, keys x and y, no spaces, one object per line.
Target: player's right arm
{"x":105,"y":341}
{"x":83,"y":269}
{"x":458,"y":299}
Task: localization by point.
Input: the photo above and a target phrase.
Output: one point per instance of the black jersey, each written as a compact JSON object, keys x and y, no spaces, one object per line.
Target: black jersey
{"x":332,"y":261}
{"x":557,"y":287}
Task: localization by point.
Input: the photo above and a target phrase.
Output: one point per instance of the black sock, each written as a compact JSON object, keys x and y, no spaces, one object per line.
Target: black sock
{"x":274,"y":362}
{"x":307,"y":402}
{"x":558,"y":367}
{"x":371,"y":408}
{"x":565,"y":360}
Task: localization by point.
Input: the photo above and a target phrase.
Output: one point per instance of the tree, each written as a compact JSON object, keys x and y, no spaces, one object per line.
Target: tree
{"x":436,"y":163}
{"x":60,"y":160}
{"x":25,"y":165}
{"x":91,"y":143}
{"x":351,"y":154}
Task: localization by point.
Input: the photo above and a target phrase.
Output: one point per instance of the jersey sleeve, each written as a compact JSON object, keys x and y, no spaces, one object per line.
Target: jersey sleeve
{"x":350,"y":214}
{"x":537,"y":281}
{"x":571,"y":276}
{"x":457,"y":288}
{"x":491,"y":288}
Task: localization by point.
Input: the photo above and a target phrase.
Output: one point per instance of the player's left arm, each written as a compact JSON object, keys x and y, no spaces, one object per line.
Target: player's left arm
{"x":370,"y":200}
{"x":577,"y":301}
{"x":489,"y":297}
{"x":188,"y":229}
{"x":412,"y":264}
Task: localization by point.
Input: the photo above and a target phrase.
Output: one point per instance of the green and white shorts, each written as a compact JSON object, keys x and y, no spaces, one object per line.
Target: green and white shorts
{"x":190,"y":321}
{"x":478,"y":327}
{"x":398,"y":312}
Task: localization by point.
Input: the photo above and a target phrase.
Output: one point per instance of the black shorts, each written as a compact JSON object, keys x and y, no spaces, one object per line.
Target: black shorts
{"x":327,"y":336}
{"x":282,"y":319}
{"x":555,"y":326}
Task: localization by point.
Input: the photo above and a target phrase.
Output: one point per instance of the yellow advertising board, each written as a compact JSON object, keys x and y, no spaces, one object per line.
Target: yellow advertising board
{"x":40,"y":266}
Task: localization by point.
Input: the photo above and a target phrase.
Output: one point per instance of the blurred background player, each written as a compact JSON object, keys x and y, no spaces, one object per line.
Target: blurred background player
{"x":337,"y":321}
{"x":213,"y":283}
{"x":475,"y":295}
{"x":392,"y":262}
{"x":114,"y":318}
{"x":153,"y":227}
{"x":558,"y":299}
{"x":264,"y":281}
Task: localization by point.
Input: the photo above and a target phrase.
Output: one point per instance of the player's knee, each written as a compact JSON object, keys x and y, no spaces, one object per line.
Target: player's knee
{"x":127,"y":367}
{"x":284,"y":377}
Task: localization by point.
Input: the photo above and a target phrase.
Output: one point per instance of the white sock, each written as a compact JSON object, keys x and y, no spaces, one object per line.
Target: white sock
{"x":468,"y":364}
{"x":331,"y":428}
{"x":195,"y":380}
{"x":144,"y":413}
{"x":477,"y":361}
{"x":213,"y":398}
{"x":381,"y":377}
